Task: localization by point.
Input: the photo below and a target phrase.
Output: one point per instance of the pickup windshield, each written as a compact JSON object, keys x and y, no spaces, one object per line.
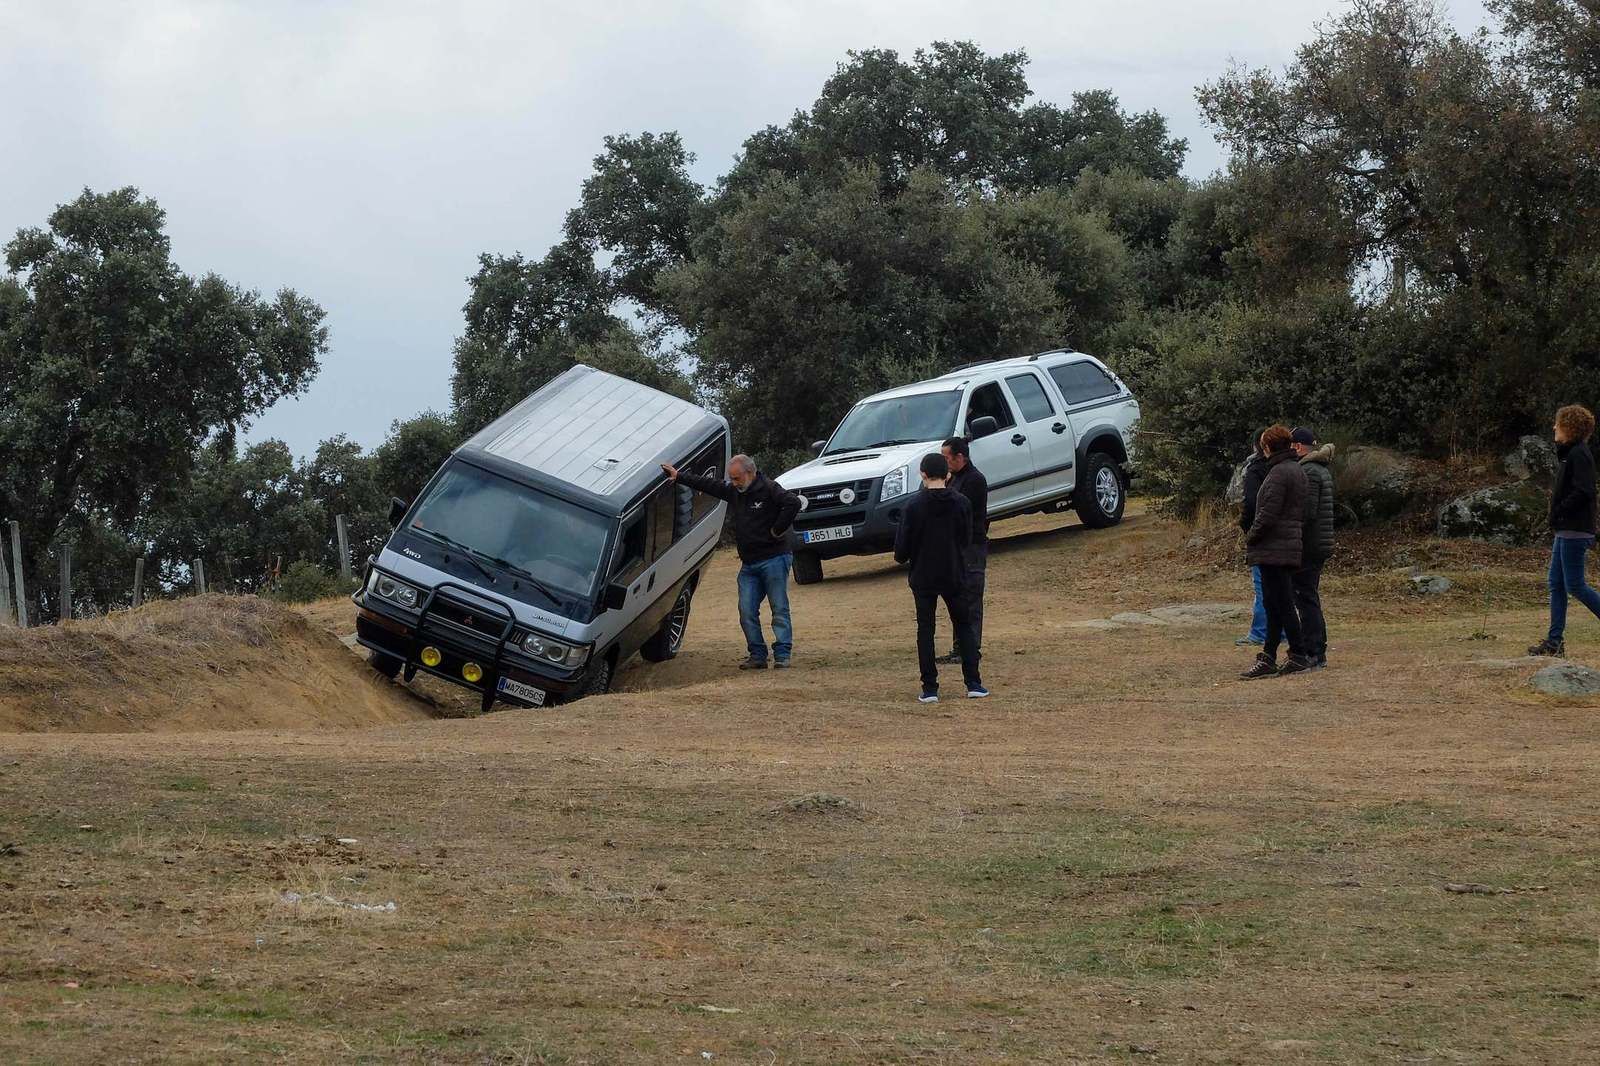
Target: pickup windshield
{"x":926,"y":416}
{"x":559,"y":544}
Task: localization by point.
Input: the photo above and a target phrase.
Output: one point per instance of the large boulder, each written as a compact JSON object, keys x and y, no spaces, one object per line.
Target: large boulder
{"x":1567,"y":679}
{"x":1234,"y":493}
{"x":1377,"y":484}
{"x":1512,"y":514}
{"x":1533,"y":459}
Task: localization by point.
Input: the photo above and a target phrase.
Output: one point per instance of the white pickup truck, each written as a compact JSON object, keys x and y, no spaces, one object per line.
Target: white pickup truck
{"x":1049,"y":431}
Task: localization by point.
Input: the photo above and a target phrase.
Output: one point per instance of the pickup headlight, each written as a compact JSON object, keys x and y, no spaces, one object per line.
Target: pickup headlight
{"x":551,"y":650}
{"x":391,"y":589}
{"x":896,"y":483}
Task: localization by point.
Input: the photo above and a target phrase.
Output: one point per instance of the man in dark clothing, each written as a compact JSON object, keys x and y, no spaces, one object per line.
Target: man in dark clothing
{"x":762,"y":513}
{"x":1572,"y":521}
{"x":932,"y":538}
{"x":1274,"y":544}
{"x":1317,"y":542}
{"x":969,"y":481}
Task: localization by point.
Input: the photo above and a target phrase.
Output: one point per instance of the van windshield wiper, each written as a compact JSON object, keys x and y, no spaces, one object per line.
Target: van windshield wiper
{"x":529,"y":578}
{"x":466,"y":552}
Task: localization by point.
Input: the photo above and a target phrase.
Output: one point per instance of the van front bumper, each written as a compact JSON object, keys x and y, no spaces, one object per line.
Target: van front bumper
{"x":403,"y":635}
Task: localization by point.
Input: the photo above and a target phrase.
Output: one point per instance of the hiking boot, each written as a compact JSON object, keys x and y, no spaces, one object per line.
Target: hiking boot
{"x":781,"y":664}
{"x":1554,"y":648}
{"x":928,"y":697}
{"x":753,"y":663}
{"x":950,"y":659}
{"x":1246,"y":641}
{"x":1262,"y":667}
{"x":1296,"y":664}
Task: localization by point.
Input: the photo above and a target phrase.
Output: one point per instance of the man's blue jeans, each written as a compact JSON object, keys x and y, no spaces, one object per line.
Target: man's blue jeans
{"x":1566,"y":579}
{"x":1258,"y":617}
{"x":767,"y":580}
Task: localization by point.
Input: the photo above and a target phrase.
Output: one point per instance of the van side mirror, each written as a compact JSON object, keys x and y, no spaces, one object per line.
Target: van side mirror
{"x":983,"y":426}
{"x":817,"y":446}
{"x":397,"y":510}
{"x":615,"y":597}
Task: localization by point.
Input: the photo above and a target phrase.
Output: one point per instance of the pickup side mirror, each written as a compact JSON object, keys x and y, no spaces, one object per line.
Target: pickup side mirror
{"x":397,"y":510}
{"x":983,"y":426}
{"x":615,"y":597}
{"x":817,"y":446}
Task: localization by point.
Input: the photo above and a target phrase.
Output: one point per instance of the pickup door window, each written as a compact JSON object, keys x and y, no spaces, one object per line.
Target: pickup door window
{"x":1049,"y":435}
{"x":1004,"y":456}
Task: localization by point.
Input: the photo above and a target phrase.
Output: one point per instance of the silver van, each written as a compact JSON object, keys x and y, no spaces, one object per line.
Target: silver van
{"x":549,"y":548}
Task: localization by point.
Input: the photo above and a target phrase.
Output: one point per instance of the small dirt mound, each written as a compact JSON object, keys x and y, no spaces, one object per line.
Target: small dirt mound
{"x":209,"y":662}
{"x":820,"y":804}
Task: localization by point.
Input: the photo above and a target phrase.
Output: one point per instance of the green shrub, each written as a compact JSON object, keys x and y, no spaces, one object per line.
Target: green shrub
{"x":304,"y":582}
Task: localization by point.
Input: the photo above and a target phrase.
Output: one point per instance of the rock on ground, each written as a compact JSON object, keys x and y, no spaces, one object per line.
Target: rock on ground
{"x":1377,"y":484}
{"x":1512,"y":514}
{"x":1567,"y":679}
{"x":1534,"y":458}
{"x":1431,"y":584}
{"x":1179,"y":614}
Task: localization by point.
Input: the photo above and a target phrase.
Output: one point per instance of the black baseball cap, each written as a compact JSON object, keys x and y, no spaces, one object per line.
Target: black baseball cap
{"x":1302,"y":435}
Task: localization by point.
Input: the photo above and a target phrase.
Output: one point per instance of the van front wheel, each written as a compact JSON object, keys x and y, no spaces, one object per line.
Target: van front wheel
{"x":807,"y":568}
{"x":668,"y":640}
{"x":387,"y":665}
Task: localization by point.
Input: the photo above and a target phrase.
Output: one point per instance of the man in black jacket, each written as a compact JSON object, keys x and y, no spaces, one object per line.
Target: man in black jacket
{"x":1317,"y":542}
{"x":969,"y":481}
{"x":762,"y":513}
{"x":932,"y":538}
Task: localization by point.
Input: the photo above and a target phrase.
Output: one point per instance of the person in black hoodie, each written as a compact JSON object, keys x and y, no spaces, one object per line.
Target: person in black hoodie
{"x":1572,"y":521}
{"x":932,"y":539}
{"x":970,"y":482}
{"x":762,"y":513}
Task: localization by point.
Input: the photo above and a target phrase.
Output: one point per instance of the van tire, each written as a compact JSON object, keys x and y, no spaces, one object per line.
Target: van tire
{"x":387,"y":665}
{"x":807,"y":568}
{"x":1102,"y":492}
{"x":667,"y":641}
{"x":599,"y":681}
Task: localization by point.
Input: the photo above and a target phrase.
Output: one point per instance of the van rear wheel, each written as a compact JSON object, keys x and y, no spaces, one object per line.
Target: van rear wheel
{"x":668,"y":640}
{"x":807,"y":568}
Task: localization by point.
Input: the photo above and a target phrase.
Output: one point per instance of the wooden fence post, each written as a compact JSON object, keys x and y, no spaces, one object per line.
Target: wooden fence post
{"x":65,"y":552}
{"x":6,"y":617}
{"x":16,"y":575}
{"x":344,"y":546}
{"x":138,"y":581}
{"x":199,"y":577}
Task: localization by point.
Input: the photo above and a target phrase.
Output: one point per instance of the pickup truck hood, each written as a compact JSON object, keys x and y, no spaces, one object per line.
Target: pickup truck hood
{"x":855,"y":466}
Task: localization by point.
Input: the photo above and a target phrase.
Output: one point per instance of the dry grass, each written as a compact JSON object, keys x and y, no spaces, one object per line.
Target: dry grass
{"x":1124,"y":855}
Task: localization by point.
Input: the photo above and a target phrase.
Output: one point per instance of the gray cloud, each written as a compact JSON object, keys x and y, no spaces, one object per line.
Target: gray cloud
{"x":364,"y":153}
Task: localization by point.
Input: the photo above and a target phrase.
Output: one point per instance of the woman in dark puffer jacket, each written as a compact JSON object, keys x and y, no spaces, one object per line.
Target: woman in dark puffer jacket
{"x":1274,"y":544}
{"x":1572,"y":521}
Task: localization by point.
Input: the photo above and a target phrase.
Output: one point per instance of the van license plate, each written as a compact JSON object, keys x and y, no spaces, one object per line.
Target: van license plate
{"x":816,"y":536}
{"x":527,"y":693}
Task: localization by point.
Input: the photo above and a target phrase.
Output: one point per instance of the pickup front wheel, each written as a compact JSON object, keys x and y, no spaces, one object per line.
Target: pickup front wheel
{"x":807,"y":568}
{"x":1102,"y":493}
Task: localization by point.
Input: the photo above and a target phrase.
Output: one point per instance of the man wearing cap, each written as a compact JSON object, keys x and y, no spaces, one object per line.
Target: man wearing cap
{"x":1317,"y":542}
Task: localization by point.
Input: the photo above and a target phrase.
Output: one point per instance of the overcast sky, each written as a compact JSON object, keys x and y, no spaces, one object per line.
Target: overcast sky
{"x":364,"y":153}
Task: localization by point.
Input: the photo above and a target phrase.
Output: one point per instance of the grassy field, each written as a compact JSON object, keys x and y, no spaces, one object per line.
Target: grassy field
{"x":1124,"y":855}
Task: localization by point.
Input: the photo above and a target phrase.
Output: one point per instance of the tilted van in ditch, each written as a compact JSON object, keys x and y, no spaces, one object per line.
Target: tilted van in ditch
{"x":550,"y":548}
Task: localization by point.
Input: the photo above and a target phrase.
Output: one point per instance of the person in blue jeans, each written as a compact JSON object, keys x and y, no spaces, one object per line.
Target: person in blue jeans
{"x":762,"y":512}
{"x":1255,"y":471}
{"x":1572,"y":523}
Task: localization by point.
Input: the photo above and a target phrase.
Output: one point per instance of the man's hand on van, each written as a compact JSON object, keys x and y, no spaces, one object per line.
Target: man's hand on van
{"x":670,"y":470}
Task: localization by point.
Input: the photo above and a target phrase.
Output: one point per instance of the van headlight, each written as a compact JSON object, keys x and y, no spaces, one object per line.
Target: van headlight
{"x":895,"y":483}
{"x":551,"y":650}
{"x":391,"y":589}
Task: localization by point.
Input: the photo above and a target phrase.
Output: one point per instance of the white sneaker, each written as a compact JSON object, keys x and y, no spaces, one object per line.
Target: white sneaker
{"x":977,"y":693}
{"x":928,"y":697}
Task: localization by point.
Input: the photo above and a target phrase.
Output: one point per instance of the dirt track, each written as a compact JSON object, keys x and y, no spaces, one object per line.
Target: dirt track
{"x":1123,"y":855}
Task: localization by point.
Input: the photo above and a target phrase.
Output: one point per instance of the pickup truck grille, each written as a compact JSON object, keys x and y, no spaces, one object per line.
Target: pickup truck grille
{"x":829,"y":520}
{"x":825,"y":497}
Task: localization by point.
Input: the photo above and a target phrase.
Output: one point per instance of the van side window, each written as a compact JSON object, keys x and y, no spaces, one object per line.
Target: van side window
{"x":1030,"y":397}
{"x":1082,"y":382}
{"x":989,"y":400}
{"x":663,"y":507}
{"x":632,"y":547}
{"x":693,"y":506}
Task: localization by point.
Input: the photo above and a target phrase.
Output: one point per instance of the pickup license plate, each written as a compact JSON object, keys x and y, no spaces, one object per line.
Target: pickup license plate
{"x":817,"y":536}
{"x":523,"y":692}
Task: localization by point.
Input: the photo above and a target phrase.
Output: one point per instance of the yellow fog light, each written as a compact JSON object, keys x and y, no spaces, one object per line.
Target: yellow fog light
{"x":472,"y":672}
{"x":431,"y":657}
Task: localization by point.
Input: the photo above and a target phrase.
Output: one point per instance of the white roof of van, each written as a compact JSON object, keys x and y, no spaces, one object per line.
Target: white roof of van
{"x":595,"y":431}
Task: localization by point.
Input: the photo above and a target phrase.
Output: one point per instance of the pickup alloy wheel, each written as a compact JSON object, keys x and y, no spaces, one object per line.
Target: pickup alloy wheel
{"x":1102,"y":494}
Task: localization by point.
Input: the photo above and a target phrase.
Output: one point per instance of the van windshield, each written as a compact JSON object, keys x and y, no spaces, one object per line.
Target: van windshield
{"x":926,"y":416}
{"x":559,"y":544}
